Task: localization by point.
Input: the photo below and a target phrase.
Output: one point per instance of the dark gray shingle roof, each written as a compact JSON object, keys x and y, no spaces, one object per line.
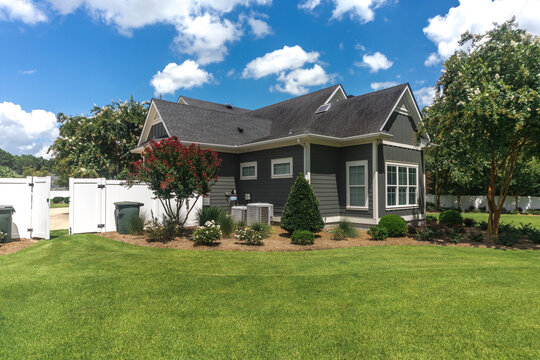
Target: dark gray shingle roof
{"x":207,"y":122}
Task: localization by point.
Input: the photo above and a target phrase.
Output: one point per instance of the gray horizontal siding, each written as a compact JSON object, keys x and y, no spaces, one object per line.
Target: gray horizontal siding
{"x":217,"y":193}
{"x":325,"y":189}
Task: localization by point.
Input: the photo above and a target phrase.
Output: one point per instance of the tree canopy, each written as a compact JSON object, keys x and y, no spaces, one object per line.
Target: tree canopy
{"x":487,"y":107}
{"x":98,"y":145}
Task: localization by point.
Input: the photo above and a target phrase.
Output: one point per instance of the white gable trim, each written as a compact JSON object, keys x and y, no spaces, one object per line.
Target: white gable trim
{"x":153,"y":112}
{"x":339,"y":88}
{"x":181,"y":100}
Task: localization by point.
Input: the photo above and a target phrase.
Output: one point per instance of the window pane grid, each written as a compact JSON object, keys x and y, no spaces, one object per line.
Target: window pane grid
{"x":356,"y":184}
{"x":401,"y":185}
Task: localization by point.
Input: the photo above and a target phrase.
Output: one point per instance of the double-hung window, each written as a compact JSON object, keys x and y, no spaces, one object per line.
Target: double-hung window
{"x":401,"y":185}
{"x":282,"y":168}
{"x":357,"y":185}
{"x":248,"y":170}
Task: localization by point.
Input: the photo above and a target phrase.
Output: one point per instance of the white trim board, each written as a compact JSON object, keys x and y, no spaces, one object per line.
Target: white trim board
{"x":335,"y":92}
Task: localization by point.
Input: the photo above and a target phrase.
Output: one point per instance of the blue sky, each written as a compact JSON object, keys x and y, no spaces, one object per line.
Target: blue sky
{"x":66,"y":55}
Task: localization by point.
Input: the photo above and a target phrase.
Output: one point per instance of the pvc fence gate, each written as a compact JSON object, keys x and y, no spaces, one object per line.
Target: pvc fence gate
{"x":30,"y":198}
{"x":91,"y":205}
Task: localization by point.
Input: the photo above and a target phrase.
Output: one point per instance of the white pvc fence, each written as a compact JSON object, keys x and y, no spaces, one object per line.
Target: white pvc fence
{"x":30,"y":198}
{"x":450,"y":201}
{"x":91,"y":206}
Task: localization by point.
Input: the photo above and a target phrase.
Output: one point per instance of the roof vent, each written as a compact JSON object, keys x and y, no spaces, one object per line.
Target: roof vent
{"x":228,"y":106}
{"x":240,"y":130}
{"x":323,"y":108}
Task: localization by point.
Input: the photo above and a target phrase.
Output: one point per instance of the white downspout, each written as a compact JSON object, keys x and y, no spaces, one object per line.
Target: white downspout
{"x":307,"y":159}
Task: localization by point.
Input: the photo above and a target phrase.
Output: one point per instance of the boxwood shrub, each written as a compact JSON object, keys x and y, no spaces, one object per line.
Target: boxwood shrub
{"x":303,"y":237}
{"x":450,"y":218}
{"x":395,"y":225}
{"x":378,"y":232}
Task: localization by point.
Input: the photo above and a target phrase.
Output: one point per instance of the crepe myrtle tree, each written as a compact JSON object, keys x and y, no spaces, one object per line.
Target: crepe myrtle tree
{"x":177,"y":174}
{"x":488,"y":106}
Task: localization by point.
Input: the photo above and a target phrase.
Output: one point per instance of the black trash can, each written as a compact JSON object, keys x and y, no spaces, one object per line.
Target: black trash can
{"x":6,"y":213}
{"x":123,"y":212}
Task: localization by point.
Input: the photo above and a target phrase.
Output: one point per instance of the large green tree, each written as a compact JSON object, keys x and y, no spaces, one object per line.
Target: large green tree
{"x":489,"y":106}
{"x":99,"y":145}
{"x":526,"y":179}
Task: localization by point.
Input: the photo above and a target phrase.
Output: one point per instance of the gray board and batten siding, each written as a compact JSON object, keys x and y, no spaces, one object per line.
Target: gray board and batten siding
{"x":264,"y":188}
{"x":403,"y":128}
{"x":400,"y":155}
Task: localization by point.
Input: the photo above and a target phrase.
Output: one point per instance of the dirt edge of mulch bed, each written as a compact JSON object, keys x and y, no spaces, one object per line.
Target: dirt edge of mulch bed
{"x":16,"y":245}
{"x":279,"y":241}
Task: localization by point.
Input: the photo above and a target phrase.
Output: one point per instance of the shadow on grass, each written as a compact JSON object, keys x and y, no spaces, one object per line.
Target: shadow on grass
{"x":58,"y":233}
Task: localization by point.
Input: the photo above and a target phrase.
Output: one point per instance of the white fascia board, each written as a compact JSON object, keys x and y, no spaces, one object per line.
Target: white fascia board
{"x":152,"y":106}
{"x":393,"y":109}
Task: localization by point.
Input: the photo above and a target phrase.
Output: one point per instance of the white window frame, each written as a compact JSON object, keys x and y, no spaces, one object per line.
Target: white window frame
{"x":281,"y":161}
{"x":348,"y":164}
{"x":417,"y":186}
{"x":248,"y":164}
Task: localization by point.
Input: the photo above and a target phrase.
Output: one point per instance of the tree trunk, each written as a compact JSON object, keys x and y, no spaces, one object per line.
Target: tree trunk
{"x":459,"y":202}
{"x":493,"y":220}
{"x":517,"y":202}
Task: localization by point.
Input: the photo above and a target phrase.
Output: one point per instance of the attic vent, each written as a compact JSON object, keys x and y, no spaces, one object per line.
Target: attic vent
{"x":228,"y":106}
{"x":323,"y":108}
{"x":240,"y":130}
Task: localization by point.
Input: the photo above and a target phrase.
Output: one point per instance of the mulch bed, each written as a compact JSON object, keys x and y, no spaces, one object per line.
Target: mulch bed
{"x":279,"y":241}
{"x":16,"y":245}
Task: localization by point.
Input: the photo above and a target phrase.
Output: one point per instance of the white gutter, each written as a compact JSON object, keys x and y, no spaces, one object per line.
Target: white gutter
{"x":305,"y":137}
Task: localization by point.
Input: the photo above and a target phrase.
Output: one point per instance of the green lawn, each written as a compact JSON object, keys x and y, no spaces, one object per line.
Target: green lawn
{"x":85,"y":296}
{"x":59,"y":205}
{"x":534,"y":220}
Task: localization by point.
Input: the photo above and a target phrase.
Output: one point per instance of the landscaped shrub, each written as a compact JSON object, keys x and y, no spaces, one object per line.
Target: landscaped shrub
{"x":534,"y":236}
{"x":509,"y":238}
{"x":210,"y":213}
{"x":57,"y":199}
{"x":338,"y":234}
{"x":471,"y":208}
{"x":3,"y":236}
{"x":482,"y":209}
{"x":301,"y":212}
{"x":455,"y":237}
{"x":263,"y":229}
{"x":525,"y":229}
{"x":469,"y":222}
{"x":476,"y":237}
{"x":378,"y":232}
{"x":348,"y":229}
{"x":303,"y":237}
{"x":450,"y":218}
{"x":482,"y":225}
{"x":162,"y":231}
{"x":395,"y":225}
{"x":66,"y":200}
{"x":430,"y":206}
{"x":249,"y":236}
{"x":207,"y":234}
{"x":426,"y":234}
{"x":431,"y":219}
{"x":135,"y":224}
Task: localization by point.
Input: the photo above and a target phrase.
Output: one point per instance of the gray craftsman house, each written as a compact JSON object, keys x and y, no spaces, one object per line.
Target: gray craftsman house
{"x":361,"y":153}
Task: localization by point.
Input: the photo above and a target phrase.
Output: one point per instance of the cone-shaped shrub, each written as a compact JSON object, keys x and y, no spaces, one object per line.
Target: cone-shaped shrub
{"x":301,"y":211}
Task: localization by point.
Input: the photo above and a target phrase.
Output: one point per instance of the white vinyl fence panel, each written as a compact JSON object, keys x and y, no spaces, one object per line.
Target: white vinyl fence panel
{"x":450,"y":201}
{"x":30,"y":198}
{"x":91,"y":206}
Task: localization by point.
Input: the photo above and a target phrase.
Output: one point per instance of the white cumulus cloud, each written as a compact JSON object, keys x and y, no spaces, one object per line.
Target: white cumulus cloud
{"x":375,"y":62}
{"x":21,"y":10}
{"x":432,"y":59}
{"x":297,"y":81}
{"x":382,"y":85}
{"x":26,"y":132}
{"x":277,"y":61}
{"x":184,"y":76}
{"x":362,"y":10}
{"x":259,"y":28}
{"x":424,"y":95}
{"x":478,"y":16}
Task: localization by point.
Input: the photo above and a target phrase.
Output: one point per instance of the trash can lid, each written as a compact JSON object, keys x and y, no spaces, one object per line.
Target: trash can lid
{"x":7,"y":207}
{"x":128,"y":203}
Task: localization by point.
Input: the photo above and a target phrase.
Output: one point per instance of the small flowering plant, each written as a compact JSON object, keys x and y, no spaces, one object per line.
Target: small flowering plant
{"x":207,"y":234}
{"x":248,"y":235}
{"x":3,"y":236}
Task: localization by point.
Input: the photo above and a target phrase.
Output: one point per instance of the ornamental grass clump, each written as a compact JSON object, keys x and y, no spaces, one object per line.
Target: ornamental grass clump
{"x":348,"y":229}
{"x":208,"y":234}
{"x":301,"y":211}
